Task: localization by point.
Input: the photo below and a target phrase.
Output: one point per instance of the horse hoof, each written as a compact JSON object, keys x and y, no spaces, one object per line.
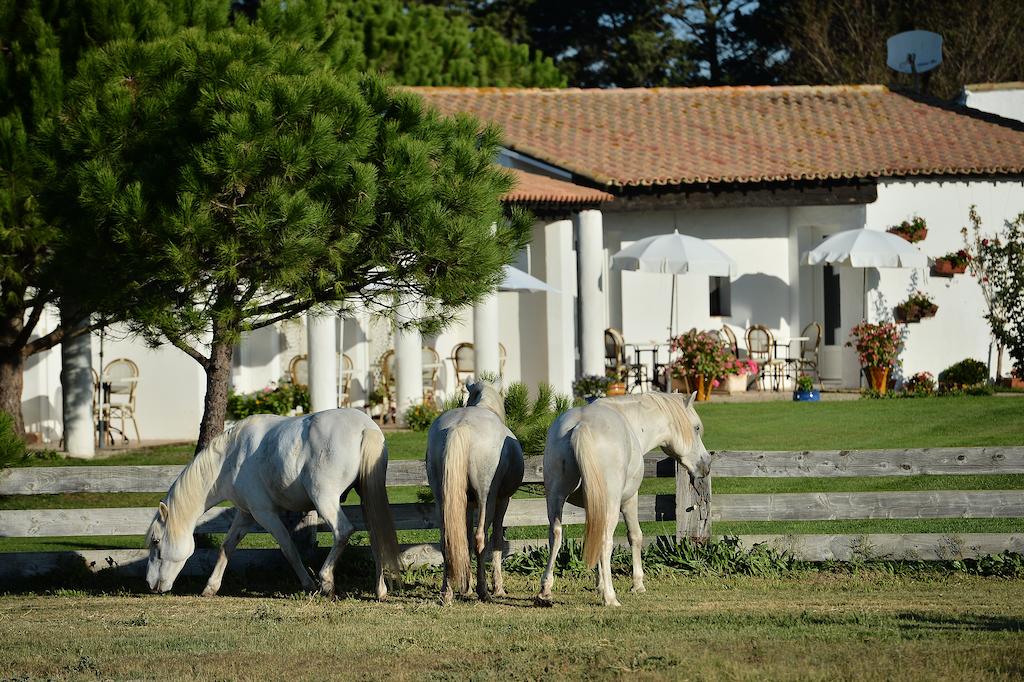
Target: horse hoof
{"x":209,"y":592}
{"x":543,"y":600}
{"x":613,"y":603}
{"x":499,"y":593}
{"x":638,"y":589}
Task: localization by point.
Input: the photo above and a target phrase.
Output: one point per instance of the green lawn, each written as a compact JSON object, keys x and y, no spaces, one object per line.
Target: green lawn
{"x":808,"y":626}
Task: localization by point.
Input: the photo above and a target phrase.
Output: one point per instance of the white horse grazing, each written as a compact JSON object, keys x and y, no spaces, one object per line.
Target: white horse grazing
{"x":471,"y":453}
{"x":269,"y":464}
{"x":594,"y":457}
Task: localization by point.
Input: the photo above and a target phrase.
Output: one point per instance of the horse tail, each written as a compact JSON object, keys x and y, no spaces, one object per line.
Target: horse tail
{"x":373,"y":495}
{"x":594,"y":490}
{"x":453,"y":512}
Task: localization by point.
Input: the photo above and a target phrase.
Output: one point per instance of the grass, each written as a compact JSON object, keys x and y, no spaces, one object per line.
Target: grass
{"x":855,"y":626}
{"x":864,"y":424}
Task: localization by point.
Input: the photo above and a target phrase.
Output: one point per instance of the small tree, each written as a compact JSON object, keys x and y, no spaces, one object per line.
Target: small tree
{"x":997,"y":262}
{"x":224,"y":181}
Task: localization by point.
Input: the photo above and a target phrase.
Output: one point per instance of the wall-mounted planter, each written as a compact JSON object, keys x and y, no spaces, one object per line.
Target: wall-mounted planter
{"x":945,"y":268}
{"x":914,"y":313}
{"x":918,"y":236}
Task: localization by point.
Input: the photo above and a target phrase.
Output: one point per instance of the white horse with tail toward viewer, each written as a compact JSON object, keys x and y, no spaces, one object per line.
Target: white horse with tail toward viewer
{"x":594,"y":458}
{"x":266,"y":465}
{"x":472,"y":454}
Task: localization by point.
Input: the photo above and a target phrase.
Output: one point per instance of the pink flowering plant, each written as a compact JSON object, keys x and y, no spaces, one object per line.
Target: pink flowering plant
{"x":877,"y":345}
{"x":741,"y":367}
{"x":700,"y":353}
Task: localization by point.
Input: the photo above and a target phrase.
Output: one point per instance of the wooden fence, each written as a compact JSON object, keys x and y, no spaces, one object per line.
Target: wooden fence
{"x":693,"y":517}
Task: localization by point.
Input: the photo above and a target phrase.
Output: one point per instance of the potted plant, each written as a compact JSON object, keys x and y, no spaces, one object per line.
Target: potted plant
{"x":738,"y":373}
{"x":953,"y":263}
{"x":917,"y":307}
{"x":913,"y":230}
{"x":591,"y":387}
{"x":617,"y":381}
{"x":701,"y":361}
{"x":878,"y":347}
{"x":804,"y":391}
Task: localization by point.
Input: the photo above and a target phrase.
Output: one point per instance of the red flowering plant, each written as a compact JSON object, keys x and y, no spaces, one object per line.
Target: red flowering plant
{"x":958,"y":258}
{"x":877,"y":345}
{"x":922,"y":383}
{"x":699,"y":353}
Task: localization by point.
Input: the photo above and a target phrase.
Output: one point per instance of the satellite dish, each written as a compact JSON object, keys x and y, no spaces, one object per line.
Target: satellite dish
{"x":914,"y":51}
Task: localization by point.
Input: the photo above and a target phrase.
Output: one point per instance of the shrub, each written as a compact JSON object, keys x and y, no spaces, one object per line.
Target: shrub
{"x":591,"y":386}
{"x":966,"y":373}
{"x":280,"y":398}
{"x":529,"y":420}
{"x":922,"y":383}
{"x":420,"y":417}
{"x":700,"y":353}
{"x":12,"y":448}
{"x":805,"y":383}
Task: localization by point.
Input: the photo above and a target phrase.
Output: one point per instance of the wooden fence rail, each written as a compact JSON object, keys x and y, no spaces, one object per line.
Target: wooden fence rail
{"x":692,"y":513}
{"x":726,"y":463}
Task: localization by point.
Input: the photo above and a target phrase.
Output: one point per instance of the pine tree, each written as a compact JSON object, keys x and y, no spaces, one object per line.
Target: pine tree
{"x":224,"y":181}
{"x":41,"y":42}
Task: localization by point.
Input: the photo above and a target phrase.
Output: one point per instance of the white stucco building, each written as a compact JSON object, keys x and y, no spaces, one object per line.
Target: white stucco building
{"x":764,"y":173}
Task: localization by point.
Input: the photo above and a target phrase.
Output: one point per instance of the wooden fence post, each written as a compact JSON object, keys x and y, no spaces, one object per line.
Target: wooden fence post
{"x":693,"y":506}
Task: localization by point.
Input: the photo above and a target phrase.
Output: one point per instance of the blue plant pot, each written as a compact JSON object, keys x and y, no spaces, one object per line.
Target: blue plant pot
{"x":590,"y":398}
{"x":811,"y":396}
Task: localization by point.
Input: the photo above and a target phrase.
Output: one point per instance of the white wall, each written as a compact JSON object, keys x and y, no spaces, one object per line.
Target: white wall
{"x":757,"y":239}
{"x":958,"y":330}
{"x":1006,"y":102}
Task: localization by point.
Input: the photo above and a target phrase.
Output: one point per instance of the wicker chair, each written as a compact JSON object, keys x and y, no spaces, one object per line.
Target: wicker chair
{"x":464,"y":361}
{"x":345,"y":390}
{"x":761,"y":347}
{"x":431,"y":370}
{"x":807,"y":363}
{"x":122,"y":378}
{"x":298,"y":370}
{"x":729,"y":337}
{"x":634,"y":374}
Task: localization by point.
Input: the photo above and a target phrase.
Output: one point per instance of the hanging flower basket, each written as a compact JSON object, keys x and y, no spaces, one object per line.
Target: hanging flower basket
{"x":953,"y":263}
{"x":913,"y":230}
{"x":916,"y":308}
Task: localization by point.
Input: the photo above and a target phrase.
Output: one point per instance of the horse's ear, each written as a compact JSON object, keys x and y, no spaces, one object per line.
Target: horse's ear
{"x":691,"y":398}
{"x":163,"y":511}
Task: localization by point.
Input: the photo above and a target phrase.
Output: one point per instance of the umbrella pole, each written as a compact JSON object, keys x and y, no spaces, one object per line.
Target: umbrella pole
{"x":865,"y":294}
{"x":672,"y":310}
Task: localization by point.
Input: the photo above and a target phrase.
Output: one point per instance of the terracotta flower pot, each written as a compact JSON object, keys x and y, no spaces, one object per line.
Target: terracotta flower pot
{"x":618,"y":388}
{"x":945,"y":268}
{"x":918,"y":237}
{"x":878,"y":378}
{"x":703,"y":389}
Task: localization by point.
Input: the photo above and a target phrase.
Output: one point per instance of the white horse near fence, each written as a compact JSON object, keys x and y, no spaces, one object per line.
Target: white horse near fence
{"x":472,"y":454}
{"x":269,"y":464}
{"x":594,"y":458}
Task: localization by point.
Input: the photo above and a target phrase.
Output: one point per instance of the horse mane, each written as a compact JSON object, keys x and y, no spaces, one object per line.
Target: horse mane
{"x":672,"y":405}
{"x":189,"y":490}
{"x":488,"y":396}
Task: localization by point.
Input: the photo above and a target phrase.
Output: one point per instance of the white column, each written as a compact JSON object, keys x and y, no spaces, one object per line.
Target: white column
{"x":408,"y":361}
{"x":76,"y":382}
{"x":485,"y":336}
{"x":560,"y":273}
{"x":592,"y":295}
{"x":357,"y":346}
{"x":321,"y":333}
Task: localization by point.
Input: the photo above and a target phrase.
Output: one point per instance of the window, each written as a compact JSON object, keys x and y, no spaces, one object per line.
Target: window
{"x":832,"y":314}
{"x":721,"y":298}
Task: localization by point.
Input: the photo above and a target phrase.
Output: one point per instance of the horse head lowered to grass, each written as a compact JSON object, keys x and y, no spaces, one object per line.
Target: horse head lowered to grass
{"x":267,"y":465}
{"x":594,"y":458}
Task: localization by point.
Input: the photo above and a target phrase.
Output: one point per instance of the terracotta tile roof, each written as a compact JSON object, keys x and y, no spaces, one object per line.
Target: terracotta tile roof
{"x":539,"y":189}
{"x":672,"y":136}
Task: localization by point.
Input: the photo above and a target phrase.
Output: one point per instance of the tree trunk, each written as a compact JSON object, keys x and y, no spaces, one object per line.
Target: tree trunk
{"x":12,"y":364}
{"x":215,"y":405}
{"x":12,"y":382}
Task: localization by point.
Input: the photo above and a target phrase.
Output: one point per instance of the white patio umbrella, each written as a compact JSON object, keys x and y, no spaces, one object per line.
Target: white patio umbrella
{"x":517,"y":280}
{"x":674,"y":254}
{"x":866,"y":249}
